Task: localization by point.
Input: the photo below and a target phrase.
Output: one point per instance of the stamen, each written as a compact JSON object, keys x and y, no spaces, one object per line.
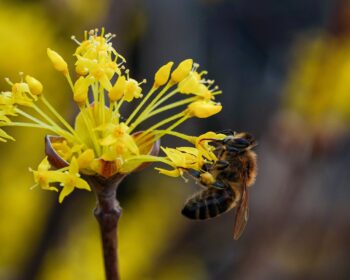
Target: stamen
{"x":75,"y":40}
{"x":138,"y":108}
{"x":195,"y":66}
{"x":21,"y":74}
{"x":127,"y":74}
{"x":9,"y":81}
{"x":110,"y":37}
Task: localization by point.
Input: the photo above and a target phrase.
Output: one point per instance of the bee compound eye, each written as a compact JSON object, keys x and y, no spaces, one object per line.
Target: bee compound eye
{"x":241,"y":143}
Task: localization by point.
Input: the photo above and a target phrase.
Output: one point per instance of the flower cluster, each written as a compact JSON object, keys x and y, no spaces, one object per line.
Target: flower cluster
{"x":100,"y":136}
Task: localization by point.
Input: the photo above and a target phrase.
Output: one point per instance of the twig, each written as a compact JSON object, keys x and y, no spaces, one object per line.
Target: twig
{"x":107,"y":213}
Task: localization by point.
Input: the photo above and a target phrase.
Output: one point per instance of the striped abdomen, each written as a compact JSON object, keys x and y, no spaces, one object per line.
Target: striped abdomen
{"x":210,"y":203}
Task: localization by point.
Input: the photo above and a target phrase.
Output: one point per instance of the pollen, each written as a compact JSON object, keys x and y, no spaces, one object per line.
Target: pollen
{"x":207,"y":178}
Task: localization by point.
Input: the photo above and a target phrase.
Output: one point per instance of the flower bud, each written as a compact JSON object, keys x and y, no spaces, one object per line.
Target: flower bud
{"x":58,"y":62}
{"x":80,"y":69}
{"x":204,"y":109}
{"x":182,"y":71}
{"x":117,"y":91}
{"x":81,"y":88}
{"x":132,"y":90}
{"x":162,"y":75}
{"x":35,"y":87}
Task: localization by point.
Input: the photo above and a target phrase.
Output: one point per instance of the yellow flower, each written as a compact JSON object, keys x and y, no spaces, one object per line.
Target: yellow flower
{"x":20,"y":94}
{"x":71,"y":180}
{"x":181,"y":159}
{"x":194,"y":84}
{"x":202,"y":143}
{"x":43,"y":177}
{"x":132,"y":90}
{"x":68,"y":179}
{"x":118,"y":142}
{"x":101,"y":142}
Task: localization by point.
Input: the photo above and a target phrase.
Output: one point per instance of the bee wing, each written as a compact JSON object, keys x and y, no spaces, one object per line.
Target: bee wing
{"x":242,"y":214}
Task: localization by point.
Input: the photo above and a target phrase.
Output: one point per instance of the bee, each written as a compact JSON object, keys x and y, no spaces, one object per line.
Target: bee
{"x":225,"y":181}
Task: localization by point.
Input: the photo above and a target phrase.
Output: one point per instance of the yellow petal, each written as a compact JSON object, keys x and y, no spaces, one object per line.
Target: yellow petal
{"x":82,"y":184}
{"x":74,"y":167}
{"x":202,"y":144}
{"x":4,"y":136}
{"x":108,"y":140}
{"x":171,"y":173}
{"x":175,"y":156}
{"x":64,"y":192}
{"x":85,"y":159}
{"x":44,"y":165}
{"x":132,"y":90}
{"x":189,"y":85}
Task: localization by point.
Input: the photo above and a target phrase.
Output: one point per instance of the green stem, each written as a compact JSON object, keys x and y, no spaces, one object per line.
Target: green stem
{"x":170,"y":128}
{"x":163,"y":122}
{"x":148,"y":108}
{"x":59,"y":117}
{"x":138,"y":108}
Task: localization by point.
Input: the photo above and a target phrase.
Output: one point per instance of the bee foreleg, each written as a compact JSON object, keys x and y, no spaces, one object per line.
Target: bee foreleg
{"x":221,"y":164}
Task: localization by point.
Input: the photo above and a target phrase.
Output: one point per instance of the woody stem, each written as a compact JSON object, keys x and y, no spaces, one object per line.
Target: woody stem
{"x":107,"y":213}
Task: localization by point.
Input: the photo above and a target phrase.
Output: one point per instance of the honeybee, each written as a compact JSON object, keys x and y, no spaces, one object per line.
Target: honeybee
{"x":225,"y":181}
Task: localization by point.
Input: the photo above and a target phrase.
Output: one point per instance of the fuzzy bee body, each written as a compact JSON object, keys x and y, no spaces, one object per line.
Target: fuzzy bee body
{"x":233,"y":172}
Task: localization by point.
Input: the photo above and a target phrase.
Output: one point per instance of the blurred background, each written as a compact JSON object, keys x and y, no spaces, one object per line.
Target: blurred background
{"x":284,"y":68}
